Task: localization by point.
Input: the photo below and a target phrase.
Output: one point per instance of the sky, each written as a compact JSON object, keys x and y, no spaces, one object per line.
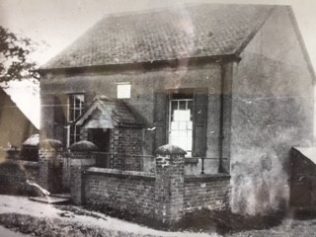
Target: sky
{"x":59,"y":22}
{"x":55,"y":24}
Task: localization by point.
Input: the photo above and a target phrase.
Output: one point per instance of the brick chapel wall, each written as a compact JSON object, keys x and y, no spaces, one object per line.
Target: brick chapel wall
{"x":272,"y":110}
{"x":145,"y":82}
{"x":210,"y":192}
{"x":125,"y":191}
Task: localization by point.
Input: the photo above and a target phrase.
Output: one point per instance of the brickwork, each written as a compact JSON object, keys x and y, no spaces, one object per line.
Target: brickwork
{"x":65,"y":160}
{"x":130,"y":191}
{"x":125,"y":148}
{"x":76,"y":185}
{"x":43,"y":173}
{"x":50,"y":170}
{"x":169,"y":188}
{"x":79,"y":162}
{"x":114,"y":142}
{"x":210,"y":192}
{"x":164,"y":196}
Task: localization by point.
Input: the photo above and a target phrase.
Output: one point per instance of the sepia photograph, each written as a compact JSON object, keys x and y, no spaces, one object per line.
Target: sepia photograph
{"x":152,"y":118}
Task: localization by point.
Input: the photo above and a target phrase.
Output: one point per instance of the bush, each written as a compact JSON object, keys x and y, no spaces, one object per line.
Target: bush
{"x":83,"y":145}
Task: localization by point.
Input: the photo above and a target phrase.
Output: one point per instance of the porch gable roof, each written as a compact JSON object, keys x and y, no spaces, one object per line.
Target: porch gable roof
{"x":105,"y":113}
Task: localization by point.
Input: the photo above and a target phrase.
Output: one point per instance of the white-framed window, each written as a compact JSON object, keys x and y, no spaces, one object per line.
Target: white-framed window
{"x":123,"y":90}
{"x":181,"y":123}
{"x":75,"y":110}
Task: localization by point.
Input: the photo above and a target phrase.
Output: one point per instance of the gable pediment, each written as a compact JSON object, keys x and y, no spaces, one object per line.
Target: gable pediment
{"x":105,"y":113}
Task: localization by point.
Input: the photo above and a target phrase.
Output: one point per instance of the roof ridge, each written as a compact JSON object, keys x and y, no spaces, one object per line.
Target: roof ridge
{"x":177,"y":5}
{"x":148,"y":37}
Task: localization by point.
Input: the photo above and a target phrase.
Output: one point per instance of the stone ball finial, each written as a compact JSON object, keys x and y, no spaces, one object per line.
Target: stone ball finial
{"x":83,"y":146}
{"x":170,"y":149}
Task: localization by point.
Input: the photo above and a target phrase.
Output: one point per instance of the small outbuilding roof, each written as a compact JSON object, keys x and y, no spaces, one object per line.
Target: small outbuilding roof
{"x":165,"y":34}
{"x":107,"y":113}
{"x":308,"y":152}
{"x":33,"y":140}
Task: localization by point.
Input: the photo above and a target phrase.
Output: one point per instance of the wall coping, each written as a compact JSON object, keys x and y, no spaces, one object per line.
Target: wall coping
{"x":120,"y":173}
{"x":206,"y":178}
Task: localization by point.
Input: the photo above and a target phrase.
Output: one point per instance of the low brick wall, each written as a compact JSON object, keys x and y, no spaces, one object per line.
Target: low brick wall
{"x":164,"y":196}
{"x":130,"y":191}
{"x":206,"y":191}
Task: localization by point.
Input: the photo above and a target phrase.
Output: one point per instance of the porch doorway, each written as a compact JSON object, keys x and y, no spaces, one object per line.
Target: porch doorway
{"x":100,"y":137}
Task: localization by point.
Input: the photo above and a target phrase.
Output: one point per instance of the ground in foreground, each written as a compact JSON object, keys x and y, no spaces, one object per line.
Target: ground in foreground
{"x":38,"y":219}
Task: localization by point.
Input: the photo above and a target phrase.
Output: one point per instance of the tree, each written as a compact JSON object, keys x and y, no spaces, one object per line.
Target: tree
{"x":15,"y":63}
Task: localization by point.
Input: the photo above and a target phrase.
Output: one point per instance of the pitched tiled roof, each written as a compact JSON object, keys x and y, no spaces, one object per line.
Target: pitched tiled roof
{"x":165,"y":34}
